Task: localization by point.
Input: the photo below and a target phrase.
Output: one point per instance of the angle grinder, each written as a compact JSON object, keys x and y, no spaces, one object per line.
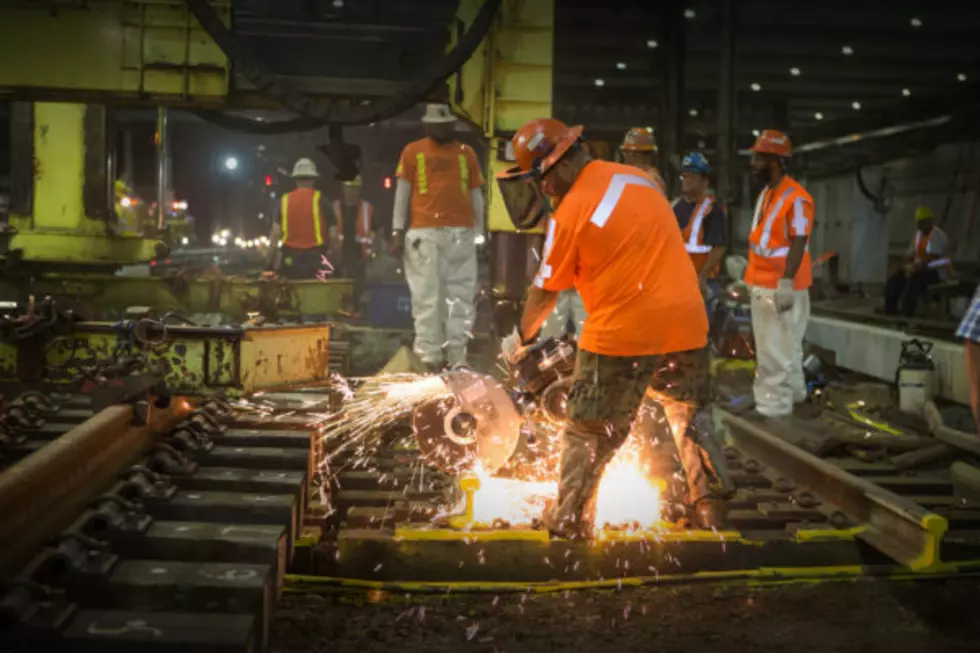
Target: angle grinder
{"x":481,"y":423}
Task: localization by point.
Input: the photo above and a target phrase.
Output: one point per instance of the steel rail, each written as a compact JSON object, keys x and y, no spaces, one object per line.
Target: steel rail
{"x":41,"y":494}
{"x":899,"y":528}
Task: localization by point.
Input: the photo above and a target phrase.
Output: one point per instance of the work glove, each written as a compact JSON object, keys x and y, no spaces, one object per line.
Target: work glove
{"x":784,"y":295}
{"x":512,"y":345}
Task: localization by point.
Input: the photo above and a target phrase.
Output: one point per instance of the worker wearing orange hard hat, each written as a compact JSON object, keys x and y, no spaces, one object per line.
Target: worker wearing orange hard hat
{"x":614,"y":238}
{"x":779,"y":276}
{"x":639,"y":149}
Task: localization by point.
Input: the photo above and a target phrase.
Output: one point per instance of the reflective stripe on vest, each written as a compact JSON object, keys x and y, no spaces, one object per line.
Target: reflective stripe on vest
{"x":762,"y":247}
{"x":694,"y":241}
{"x":284,"y":209}
{"x":423,"y":181}
{"x":922,"y":249}
{"x":464,"y":174}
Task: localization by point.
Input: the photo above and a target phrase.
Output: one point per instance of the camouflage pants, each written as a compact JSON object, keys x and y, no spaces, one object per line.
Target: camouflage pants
{"x":606,"y":393}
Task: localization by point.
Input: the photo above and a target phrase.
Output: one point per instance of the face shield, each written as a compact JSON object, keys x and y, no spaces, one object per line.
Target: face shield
{"x":524,"y":198}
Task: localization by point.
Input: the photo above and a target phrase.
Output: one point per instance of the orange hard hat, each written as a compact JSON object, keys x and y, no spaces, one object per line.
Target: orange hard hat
{"x":639,"y":139}
{"x":775,"y":142}
{"x":540,"y":143}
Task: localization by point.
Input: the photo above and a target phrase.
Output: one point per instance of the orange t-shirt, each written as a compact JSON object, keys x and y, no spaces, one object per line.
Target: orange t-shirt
{"x":442,"y":177}
{"x":614,"y":238}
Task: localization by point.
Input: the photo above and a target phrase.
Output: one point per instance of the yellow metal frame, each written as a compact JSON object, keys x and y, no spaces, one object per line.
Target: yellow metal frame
{"x":197,"y":360}
{"x":507,"y":82}
{"x":135,"y":48}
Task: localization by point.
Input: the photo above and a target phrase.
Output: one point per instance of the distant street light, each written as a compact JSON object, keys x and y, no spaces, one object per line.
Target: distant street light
{"x":231,"y":163}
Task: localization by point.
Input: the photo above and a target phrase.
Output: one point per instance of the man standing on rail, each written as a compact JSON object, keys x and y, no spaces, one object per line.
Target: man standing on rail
{"x":779,"y":276}
{"x":970,"y":332}
{"x":440,"y":178}
{"x":615,"y":239}
{"x":702,"y":222}
{"x":639,"y":149}
{"x":304,"y":227}
{"x":354,"y":216}
{"x":927,"y":264}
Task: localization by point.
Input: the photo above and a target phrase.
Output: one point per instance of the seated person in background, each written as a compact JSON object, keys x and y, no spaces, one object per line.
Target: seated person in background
{"x":927,"y":264}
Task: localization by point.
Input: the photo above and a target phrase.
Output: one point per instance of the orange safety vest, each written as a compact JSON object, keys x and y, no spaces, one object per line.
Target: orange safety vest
{"x":694,"y":236}
{"x":920,"y":246}
{"x":780,"y":213}
{"x":365,"y":220}
{"x":302,"y":224}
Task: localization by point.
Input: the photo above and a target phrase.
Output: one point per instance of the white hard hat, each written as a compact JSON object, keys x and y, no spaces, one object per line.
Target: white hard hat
{"x":438,"y":113}
{"x":305,"y":168}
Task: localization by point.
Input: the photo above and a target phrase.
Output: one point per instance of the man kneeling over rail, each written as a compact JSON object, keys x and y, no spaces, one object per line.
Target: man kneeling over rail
{"x":614,"y":238}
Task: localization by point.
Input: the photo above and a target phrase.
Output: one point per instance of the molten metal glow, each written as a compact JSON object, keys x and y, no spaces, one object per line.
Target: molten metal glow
{"x":628,"y":498}
{"x":513,"y":501}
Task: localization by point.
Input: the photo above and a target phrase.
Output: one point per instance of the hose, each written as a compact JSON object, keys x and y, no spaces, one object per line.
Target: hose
{"x":301,"y":584}
{"x":331,"y":112}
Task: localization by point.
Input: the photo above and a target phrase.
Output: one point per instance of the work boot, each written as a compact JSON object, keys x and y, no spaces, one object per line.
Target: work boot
{"x":563,"y":529}
{"x":710,"y":514}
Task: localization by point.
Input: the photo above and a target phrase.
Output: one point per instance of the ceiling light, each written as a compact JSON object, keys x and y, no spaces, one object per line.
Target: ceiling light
{"x":906,"y":92}
{"x":702,"y":144}
{"x":755,"y":132}
{"x":961,"y":77}
{"x":794,"y":71}
{"x":689,"y":14}
{"x":651,"y":43}
{"x":337,"y":4}
{"x":600,"y":83}
{"x":856,"y":106}
{"x":693,"y":113}
{"x":847,"y":50}
{"x":915,"y":22}
{"x":620,"y":65}
{"x":818,"y":115}
{"x":755,"y":87}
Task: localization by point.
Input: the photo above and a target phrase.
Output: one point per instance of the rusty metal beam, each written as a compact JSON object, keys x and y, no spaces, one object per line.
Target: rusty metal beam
{"x":43,"y":493}
{"x":897,"y":527}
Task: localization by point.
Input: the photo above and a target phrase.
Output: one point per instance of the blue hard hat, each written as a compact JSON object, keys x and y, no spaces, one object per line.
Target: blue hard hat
{"x":695,"y":162}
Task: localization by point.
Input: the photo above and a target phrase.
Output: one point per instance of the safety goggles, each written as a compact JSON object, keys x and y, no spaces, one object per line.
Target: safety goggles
{"x":524,"y":198}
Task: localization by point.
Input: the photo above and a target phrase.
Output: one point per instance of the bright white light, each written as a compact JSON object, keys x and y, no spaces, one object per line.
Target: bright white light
{"x":261,"y":216}
{"x":337,"y":4}
{"x":961,"y":77}
{"x":690,"y":14}
{"x":915,"y":22}
{"x":693,"y":113}
{"x":480,"y":239}
{"x":755,"y":132}
{"x":185,"y":240}
{"x":906,"y":92}
{"x":794,"y":71}
{"x":126,"y":202}
{"x":216,"y":239}
{"x":620,"y":65}
{"x":756,"y":87}
{"x":847,"y":50}
{"x":818,"y":115}
{"x":231,"y":163}
{"x":600,"y":83}
{"x":223,"y":242}
{"x":239,"y":241}
{"x":856,"y":106}
{"x":652,"y":44}
{"x":180,"y":206}
{"x":225,"y":233}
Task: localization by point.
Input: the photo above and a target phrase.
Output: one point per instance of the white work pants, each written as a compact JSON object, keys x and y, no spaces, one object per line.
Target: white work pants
{"x":569,"y":307}
{"x":779,"y":381}
{"x":440,"y":267}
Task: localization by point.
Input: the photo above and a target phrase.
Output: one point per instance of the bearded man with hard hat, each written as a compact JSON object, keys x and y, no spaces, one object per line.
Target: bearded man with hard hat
{"x":779,"y":276}
{"x":304,"y":228}
{"x":439,"y":179}
{"x":927,"y":264}
{"x":614,"y":238}
{"x":639,"y":149}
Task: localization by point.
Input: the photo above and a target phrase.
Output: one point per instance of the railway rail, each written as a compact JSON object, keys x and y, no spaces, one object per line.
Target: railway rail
{"x":160,"y":531}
